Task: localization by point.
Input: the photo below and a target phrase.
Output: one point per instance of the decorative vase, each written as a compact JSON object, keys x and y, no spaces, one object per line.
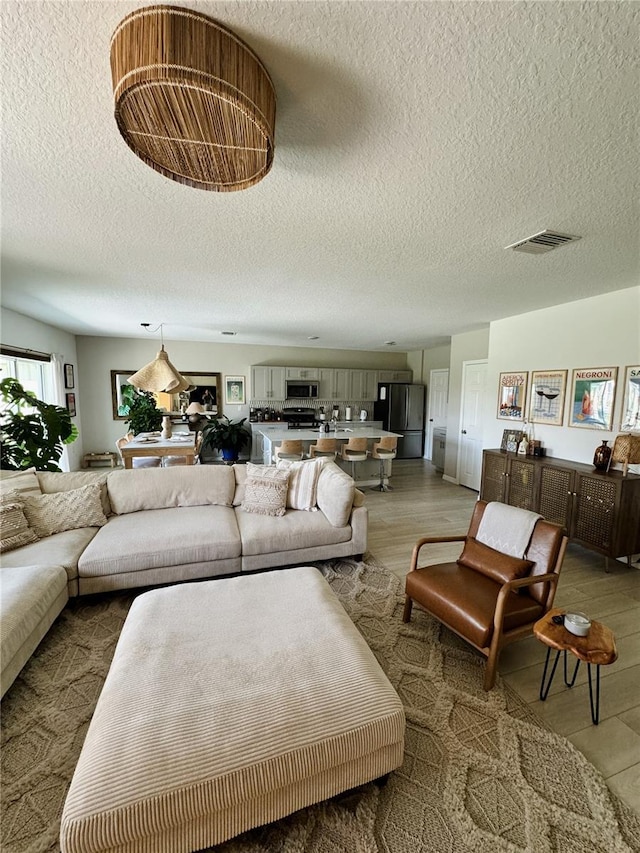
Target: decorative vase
{"x":166,"y":427}
{"x":602,"y":456}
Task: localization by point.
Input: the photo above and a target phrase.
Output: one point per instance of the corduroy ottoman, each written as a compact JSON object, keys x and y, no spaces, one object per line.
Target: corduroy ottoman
{"x":229,"y":704}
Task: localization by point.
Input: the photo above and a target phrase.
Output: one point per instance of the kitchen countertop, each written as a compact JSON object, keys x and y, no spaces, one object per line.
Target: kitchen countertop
{"x":342,"y":434}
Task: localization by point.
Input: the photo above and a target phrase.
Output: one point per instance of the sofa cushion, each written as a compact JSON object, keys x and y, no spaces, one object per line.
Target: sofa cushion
{"x":61,"y":549}
{"x":154,"y":538}
{"x":14,"y":527}
{"x":55,"y":481}
{"x":262,"y":534}
{"x":303,"y":482}
{"x":54,"y":513}
{"x":240,"y":473}
{"x":494,"y":564}
{"x":265,"y":491}
{"x":336,"y":491}
{"x":25,"y":482}
{"x":180,"y":485}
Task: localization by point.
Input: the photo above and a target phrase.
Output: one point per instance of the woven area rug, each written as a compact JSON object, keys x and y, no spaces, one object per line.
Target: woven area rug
{"x":481,"y":772}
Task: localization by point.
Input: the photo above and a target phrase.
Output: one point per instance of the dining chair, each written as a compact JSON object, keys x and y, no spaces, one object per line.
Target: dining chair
{"x":169,"y":461}
{"x":137,"y":461}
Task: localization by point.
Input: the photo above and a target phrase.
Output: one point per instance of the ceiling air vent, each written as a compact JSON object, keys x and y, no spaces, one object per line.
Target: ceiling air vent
{"x":543,"y":241}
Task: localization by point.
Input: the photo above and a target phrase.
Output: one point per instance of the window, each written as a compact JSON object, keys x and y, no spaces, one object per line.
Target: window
{"x":33,"y":375}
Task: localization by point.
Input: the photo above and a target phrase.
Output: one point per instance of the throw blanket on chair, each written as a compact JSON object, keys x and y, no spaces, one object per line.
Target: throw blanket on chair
{"x":507,"y":528}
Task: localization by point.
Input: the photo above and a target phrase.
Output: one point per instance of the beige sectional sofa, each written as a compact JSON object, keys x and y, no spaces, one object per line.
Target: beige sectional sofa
{"x":160,"y":526}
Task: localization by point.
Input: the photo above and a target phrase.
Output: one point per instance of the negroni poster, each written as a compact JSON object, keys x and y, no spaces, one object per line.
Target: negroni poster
{"x":592,"y":397}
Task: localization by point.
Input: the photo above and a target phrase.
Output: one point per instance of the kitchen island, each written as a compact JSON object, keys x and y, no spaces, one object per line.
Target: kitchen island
{"x":367,"y":473}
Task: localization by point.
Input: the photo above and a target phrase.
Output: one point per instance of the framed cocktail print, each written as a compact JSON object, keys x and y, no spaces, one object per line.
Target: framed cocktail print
{"x":631,"y":400}
{"x":512,"y":395}
{"x":593,"y":392}
{"x":71,"y":404}
{"x":234,"y":390}
{"x":546,"y":402}
{"x":69,"y":380}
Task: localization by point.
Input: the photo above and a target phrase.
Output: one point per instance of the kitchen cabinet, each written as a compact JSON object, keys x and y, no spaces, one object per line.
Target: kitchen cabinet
{"x":333,"y":383}
{"x":309,"y":373}
{"x":257,"y":440}
{"x":599,"y":510}
{"x":363,"y":385}
{"x":395,"y":376}
{"x":268,"y":383}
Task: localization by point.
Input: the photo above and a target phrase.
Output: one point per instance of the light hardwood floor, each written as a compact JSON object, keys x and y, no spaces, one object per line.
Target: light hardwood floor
{"x":422,"y":504}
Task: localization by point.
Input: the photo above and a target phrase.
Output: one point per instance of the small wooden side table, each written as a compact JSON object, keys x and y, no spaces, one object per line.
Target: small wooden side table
{"x":107,"y":456}
{"x":598,"y":648}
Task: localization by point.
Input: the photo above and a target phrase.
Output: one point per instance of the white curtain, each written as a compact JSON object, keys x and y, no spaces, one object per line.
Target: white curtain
{"x":57,"y":387}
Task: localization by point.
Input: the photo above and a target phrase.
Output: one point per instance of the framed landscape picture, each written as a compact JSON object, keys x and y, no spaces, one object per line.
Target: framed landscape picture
{"x":631,"y":401}
{"x":546,"y":402}
{"x":592,"y":397}
{"x":512,"y":395}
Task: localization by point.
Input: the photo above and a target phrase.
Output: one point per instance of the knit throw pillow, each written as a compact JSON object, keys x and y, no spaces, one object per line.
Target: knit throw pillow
{"x":60,"y":511}
{"x":14,"y":526}
{"x":303,"y":482}
{"x":265,"y":490}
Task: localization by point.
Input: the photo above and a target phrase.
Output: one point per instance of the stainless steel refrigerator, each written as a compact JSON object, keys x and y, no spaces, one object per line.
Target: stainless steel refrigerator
{"x":400,"y":407}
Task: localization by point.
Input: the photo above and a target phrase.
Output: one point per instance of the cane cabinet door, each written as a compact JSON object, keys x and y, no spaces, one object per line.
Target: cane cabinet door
{"x":595,"y":511}
{"x":556,"y":494}
{"x":494,"y":476}
{"x":521,"y":474}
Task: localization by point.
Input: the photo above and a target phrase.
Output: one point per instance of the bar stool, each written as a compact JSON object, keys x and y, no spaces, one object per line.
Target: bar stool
{"x":288,"y":449}
{"x":384,"y":449}
{"x":327,"y":447}
{"x":355,"y":450}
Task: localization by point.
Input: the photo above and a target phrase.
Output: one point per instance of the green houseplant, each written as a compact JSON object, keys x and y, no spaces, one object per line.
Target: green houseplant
{"x":229,"y":437}
{"x":32,"y":432}
{"x":144,"y":416}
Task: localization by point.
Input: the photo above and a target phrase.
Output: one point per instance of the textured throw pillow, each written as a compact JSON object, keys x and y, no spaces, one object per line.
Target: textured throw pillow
{"x":54,"y":513}
{"x":303,"y":482}
{"x":23,"y":482}
{"x":499,"y":567}
{"x":265,"y":490}
{"x":14,"y":527}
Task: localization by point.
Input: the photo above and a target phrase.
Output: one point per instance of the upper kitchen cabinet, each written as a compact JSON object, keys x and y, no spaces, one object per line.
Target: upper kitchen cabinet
{"x":308,"y":373}
{"x":363,"y":385}
{"x":395,"y":375}
{"x":268,"y":383}
{"x":333,"y":383}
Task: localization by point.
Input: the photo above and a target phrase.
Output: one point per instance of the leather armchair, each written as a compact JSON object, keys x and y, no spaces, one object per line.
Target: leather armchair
{"x":486,"y":597}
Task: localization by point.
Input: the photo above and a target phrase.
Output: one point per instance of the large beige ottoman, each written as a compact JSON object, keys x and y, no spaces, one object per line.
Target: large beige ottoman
{"x":229,"y":704}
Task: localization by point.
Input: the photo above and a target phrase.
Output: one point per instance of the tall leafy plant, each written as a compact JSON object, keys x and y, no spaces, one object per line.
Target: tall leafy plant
{"x":32,"y":432}
{"x":143,"y":414}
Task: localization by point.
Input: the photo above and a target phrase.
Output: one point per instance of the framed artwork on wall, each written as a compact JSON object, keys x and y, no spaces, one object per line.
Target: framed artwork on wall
{"x":122,"y":393}
{"x":234,"y":393}
{"x":546,"y":402}
{"x":512,"y":395}
{"x":592,"y":397}
{"x":69,"y":381}
{"x":631,"y":401}
{"x":71,"y":404}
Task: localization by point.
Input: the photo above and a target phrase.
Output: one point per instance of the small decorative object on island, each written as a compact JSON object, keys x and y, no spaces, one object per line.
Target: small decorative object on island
{"x":602,"y":456}
{"x":166,"y":427}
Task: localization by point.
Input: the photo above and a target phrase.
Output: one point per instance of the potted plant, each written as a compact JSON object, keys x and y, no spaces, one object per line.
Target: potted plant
{"x":229,"y":437}
{"x":32,"y":432}
{"x":144,"y":416}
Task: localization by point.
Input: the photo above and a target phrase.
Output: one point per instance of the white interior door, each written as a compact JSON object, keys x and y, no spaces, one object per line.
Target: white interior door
{"x":474,"y":388}
{"x":437,"y":410}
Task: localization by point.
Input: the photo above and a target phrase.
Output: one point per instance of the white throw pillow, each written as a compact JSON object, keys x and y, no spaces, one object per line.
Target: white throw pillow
{"x":24,"y":482}
{"x":54,"y":513}
{"x":303,"y":482}
{"x":265,"y":490}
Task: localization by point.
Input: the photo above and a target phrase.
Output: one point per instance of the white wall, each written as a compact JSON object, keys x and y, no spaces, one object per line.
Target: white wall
{"x":25,"y":333}
{"x":422,"y":362}
{"x":98,"y":356}
{"x":603,"y":331}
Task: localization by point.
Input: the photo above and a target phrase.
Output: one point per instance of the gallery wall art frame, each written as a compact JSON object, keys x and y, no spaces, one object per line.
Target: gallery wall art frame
{"x":234,"y":391}
{"x":69,"y":379}
{"x":593,"y":393}
{"x":71,"y":404}
{"x":512,"y":395}
{"x":547,"y":396}
{"x":511,"y":438}
{"x":122,"y":392}
{"x":630,"y":419}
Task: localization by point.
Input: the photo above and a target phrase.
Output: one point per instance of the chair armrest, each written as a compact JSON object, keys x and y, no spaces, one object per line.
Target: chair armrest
{"x":510,"y":586}
{"x":430,"y":540}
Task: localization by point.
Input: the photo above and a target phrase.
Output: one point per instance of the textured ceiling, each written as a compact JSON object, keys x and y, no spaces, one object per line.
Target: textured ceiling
{"x":414,"y":141}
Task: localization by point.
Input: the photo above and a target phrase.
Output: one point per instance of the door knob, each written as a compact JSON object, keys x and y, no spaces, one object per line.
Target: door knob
{"x":464,"y":432}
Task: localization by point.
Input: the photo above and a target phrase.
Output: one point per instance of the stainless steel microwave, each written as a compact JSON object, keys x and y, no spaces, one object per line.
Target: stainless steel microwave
{"x":301,"y":390}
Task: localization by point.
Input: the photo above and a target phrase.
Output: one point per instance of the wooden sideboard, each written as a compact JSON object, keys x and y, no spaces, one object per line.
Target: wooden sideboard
{"x":597,"y":509}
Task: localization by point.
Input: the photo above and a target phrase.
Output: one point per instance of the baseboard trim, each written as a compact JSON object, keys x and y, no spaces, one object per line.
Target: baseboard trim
{"x":449,"y":479}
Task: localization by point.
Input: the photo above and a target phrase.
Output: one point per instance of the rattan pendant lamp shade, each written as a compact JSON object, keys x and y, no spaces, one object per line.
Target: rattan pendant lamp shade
{"x":192,"y":99}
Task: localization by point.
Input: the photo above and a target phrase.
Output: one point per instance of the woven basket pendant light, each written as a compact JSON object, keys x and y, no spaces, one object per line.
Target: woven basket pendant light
{"x":191,"y":99}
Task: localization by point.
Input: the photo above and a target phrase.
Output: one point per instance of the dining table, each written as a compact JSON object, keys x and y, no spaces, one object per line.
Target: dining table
{"x":153,"y":444}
